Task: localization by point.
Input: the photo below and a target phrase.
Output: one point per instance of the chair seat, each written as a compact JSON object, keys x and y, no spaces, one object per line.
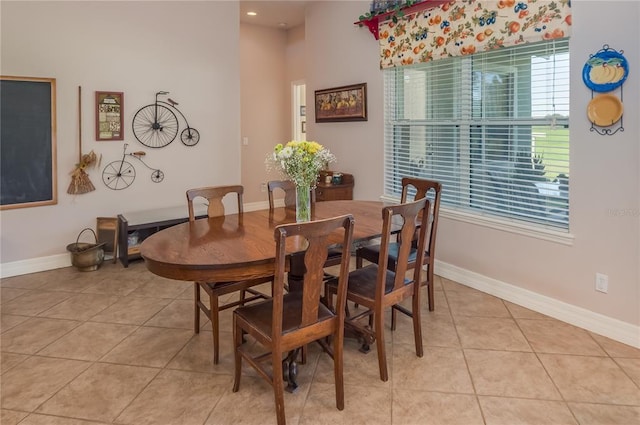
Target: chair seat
{"x":220,"y":286}
{"x":334,"y":254}
{"x":363,"y":281}
{"x":371,"y":253}
{"x":259,"y":314}
{"x":334,"y":258}
{"x":226,"y":287}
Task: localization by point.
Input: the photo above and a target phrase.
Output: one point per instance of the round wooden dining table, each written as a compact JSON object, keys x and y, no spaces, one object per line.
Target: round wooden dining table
{"x":242,"y":246}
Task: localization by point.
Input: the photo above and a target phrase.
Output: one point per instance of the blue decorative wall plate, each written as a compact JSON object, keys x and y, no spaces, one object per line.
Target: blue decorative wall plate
{"x":605,"y":71}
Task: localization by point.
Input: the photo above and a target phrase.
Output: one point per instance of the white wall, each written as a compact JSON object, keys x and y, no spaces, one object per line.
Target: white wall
{"x":295,"y":73}
{"x":604,"y":169}
{"x":186,"y":48}
{"x":296,"y":67}
{"x":265,"y":102}
{"x":338,"y":53}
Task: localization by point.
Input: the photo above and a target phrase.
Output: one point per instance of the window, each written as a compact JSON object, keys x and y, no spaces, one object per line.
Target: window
{"x":493,"y":128}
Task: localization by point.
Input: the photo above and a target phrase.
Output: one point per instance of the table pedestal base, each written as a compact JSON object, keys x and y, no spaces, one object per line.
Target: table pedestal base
{"x":290,"y":370}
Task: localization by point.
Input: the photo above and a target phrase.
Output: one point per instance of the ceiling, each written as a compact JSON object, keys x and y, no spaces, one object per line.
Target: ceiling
{"x":274,"y":14}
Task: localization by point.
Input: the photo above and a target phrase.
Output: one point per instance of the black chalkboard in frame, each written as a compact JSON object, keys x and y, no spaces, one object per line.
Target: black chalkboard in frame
{"x":27,"y":142}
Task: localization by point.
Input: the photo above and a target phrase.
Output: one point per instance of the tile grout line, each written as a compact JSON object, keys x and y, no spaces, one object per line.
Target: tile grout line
{"x":464,"y":356}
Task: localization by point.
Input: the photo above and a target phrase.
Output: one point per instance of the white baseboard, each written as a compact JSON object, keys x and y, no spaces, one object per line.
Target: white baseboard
{"x":615,"y":329}
{"x":35,"y":265}
{"x":262,"y":205}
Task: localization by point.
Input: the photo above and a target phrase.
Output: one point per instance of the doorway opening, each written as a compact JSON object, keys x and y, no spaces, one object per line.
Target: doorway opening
{"x":299,"y":115}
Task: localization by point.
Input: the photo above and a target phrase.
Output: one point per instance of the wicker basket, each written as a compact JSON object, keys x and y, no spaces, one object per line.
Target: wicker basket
{"x":86,"y":257}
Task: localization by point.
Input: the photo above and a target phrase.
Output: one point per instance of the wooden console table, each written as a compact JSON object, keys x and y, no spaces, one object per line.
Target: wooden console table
{"x":334,"y":192}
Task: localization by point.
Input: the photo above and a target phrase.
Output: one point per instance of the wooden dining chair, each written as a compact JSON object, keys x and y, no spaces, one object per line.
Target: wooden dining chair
{"x":289,"y":189}
{"x":214,"y":196}
{"x":371,"y":253}
{"x":377,"y":288}
{"x":289,"y":321}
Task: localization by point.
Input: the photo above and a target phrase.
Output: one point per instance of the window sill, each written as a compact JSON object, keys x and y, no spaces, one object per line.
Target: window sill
{"x":505,"y":225}
{"x":511,"y":226}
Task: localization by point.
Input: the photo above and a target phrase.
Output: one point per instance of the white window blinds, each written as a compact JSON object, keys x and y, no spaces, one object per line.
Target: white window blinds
{"x":492,"y":127}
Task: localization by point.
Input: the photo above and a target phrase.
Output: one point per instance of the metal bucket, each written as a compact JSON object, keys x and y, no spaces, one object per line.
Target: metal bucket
{"x":86,"y":257}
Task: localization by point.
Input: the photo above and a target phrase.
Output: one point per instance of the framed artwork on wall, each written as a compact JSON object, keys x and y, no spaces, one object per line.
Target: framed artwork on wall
{"x":347,"y":103}
{"x":109,"y":115}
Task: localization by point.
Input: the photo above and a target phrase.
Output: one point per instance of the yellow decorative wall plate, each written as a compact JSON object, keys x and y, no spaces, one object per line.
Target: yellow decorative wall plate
{"x":605,"y":110}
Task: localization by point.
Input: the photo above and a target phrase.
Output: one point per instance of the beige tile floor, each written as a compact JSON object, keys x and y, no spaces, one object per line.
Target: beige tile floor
{"x":115,"y":346}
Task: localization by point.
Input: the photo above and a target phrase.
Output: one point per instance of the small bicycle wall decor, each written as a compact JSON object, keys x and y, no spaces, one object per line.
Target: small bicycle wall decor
{"x":118,"y":175}
{"x":156,"y":125}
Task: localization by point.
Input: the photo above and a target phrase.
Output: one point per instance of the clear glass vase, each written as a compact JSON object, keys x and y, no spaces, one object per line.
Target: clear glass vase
{"x":303,"y":203}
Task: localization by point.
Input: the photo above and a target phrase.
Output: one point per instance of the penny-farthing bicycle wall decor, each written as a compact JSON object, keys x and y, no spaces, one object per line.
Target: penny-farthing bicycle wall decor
{"x":156,"y":125}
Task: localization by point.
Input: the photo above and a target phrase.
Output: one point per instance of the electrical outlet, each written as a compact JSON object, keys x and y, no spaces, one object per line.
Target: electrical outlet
{"x":263,"y":187}
{"x":602,"y":282}
{"x":245,"y":141}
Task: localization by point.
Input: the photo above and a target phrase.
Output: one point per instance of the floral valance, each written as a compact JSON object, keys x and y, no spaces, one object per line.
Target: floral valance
{"x":465,"y":27}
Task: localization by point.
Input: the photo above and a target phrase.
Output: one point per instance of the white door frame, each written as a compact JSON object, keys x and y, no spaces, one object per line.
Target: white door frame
{"x":298,"y":91}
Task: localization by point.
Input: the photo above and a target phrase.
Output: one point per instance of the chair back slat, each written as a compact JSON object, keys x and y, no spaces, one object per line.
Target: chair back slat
{"x":289,"y":189}
{"x":314,"y":259}
{"x":423,"y":235}
{"x":214,"y":196}
{"x":314,"y":238}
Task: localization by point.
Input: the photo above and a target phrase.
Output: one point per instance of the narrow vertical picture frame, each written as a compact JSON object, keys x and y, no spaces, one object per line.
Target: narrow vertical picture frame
{"x":109,"y":116}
